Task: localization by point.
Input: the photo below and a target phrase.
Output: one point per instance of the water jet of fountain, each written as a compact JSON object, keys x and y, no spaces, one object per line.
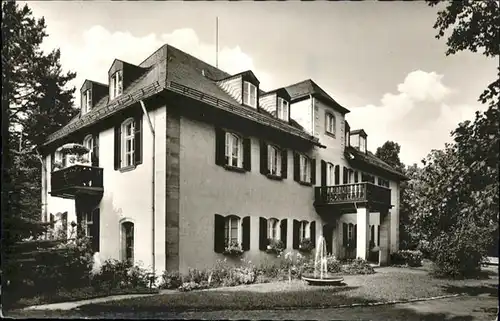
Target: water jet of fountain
{"x":320,"y":258}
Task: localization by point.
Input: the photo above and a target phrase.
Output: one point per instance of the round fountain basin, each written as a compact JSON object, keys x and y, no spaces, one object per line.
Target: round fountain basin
{"x":327,"y":279}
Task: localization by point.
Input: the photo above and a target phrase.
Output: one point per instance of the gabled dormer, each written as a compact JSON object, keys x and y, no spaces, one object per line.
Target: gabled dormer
{"x":120,"y":76}
{"x":243,"y":87}
{"x":358,"y":140}
{"x":276,"y":102}
{"x":90,"y":93}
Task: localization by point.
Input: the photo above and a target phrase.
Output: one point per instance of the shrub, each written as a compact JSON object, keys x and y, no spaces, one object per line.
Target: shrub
{"x":357,"y":266}
{"x":332,"y":265}
{"x":171,"y":280}
{"x":407,"y":257}
{"x":190,"y":286}
{"x":115,"y":274}
{"x":457,"y":255}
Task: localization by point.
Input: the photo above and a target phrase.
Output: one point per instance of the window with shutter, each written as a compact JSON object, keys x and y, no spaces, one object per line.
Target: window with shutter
{"x":330,"y":124}
{"x":284,"y":163}
{"x":127,"y":157}
{"x":274,"y":160}
{"x":233,"y":150}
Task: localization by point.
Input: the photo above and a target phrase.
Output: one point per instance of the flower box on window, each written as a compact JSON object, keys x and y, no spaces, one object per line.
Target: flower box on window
{"x":275,"y":246}
{"x":306,"y":245}
{"x":233,"y":248}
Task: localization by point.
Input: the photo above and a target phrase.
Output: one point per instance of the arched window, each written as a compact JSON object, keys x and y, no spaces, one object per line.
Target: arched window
{"x":234,"y":150}
{"x":273,"y":229}
{"x":127,"y":232}
{"x":128,"y":142}
{"x":330,"y":123}
{"x":232,"y":229}
{"x":89,"y":143}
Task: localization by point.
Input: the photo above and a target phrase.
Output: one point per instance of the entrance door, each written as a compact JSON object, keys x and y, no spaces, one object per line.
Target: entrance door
{"x":328,"y":235}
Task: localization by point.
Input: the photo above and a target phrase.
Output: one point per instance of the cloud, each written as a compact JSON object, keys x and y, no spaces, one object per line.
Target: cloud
{"x":417,"y":117}
{"x":99,"y":47}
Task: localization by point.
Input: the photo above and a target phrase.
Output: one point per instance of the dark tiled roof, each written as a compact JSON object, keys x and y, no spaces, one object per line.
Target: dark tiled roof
{"x":308,"y":87}
{"x":169,"y":65}
{"x":370,"y":159}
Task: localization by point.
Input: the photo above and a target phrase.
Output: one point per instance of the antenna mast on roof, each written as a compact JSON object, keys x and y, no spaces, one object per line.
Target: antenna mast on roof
{"x":217,"y":42}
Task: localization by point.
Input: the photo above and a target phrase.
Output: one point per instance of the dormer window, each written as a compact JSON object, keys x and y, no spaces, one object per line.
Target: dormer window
{"x":362,"y":144}
{"x":116,"y":85}
{"x":87,"y":101}
{"x":249,"y":94}
{"x":282,"y":109}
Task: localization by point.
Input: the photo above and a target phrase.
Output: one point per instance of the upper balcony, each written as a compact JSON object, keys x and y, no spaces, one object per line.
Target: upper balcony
{"x":346,"y":197}
{"x":77,"y":180}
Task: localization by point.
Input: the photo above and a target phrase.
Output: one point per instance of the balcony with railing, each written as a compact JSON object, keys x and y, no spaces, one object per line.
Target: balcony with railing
{"x":349,"y":194}
{"x":77,"y":180}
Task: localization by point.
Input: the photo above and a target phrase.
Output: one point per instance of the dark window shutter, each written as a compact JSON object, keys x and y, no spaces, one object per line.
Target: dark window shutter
{"x":263,"y":158}
{"x":220,"y":147}
{"x":245,"y":244}
{"x":296,"y":167}
{"x":312,"y":233}
{"x":356,"y":179}
{"x":378,"y":235}
{"x":295,"y":231}
{"x":344,"y":234}
{"x":247,"y":154}
{"x":372,"y":233}
{"x":355,"y":235}
{"x":96,"y":229}
{"x":95,"y":151}
{"x":284,"y":163}
{"x":118,"y":145}
{"x":313,"y":171}
{"x":262,"y":234}
{"x":337,"y":174}
{"x":323,"y":173}
{"x":138,"y":140}
{"x":344,"y":175}
{"x":219,"y":237}
{"x":283,"y":227}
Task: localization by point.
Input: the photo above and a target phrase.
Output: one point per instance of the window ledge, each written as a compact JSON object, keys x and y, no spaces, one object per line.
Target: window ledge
{"x":330,"y":134}
{"x":274,"y":177}
{"x":234,"y":168}
{"x":127,"y":169}
{"x":305,"y":183}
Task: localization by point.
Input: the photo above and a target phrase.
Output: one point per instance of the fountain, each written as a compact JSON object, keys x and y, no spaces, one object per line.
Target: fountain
{"x":321,"y":276}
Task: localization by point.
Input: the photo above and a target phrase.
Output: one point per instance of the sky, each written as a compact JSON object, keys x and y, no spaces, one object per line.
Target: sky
{"x":380,"y":60}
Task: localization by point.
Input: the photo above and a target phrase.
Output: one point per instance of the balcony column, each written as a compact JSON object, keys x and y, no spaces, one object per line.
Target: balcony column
{"x":385,"y":237}
{"x":363,"y":223}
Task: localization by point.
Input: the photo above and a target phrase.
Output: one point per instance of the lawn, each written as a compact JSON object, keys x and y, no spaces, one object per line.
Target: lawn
{"x":388,"y":284}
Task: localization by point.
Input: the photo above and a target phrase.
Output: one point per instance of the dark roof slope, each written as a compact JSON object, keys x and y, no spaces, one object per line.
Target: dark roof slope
{"x":308,"y":87}
{"x":165,"y":66}
{"x":370,"y":159}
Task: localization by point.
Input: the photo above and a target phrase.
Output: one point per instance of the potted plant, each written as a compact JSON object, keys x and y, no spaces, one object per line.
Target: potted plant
{"x":275,"y":246}
{"x":233,"y":248}
{"x":306,"y":245}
